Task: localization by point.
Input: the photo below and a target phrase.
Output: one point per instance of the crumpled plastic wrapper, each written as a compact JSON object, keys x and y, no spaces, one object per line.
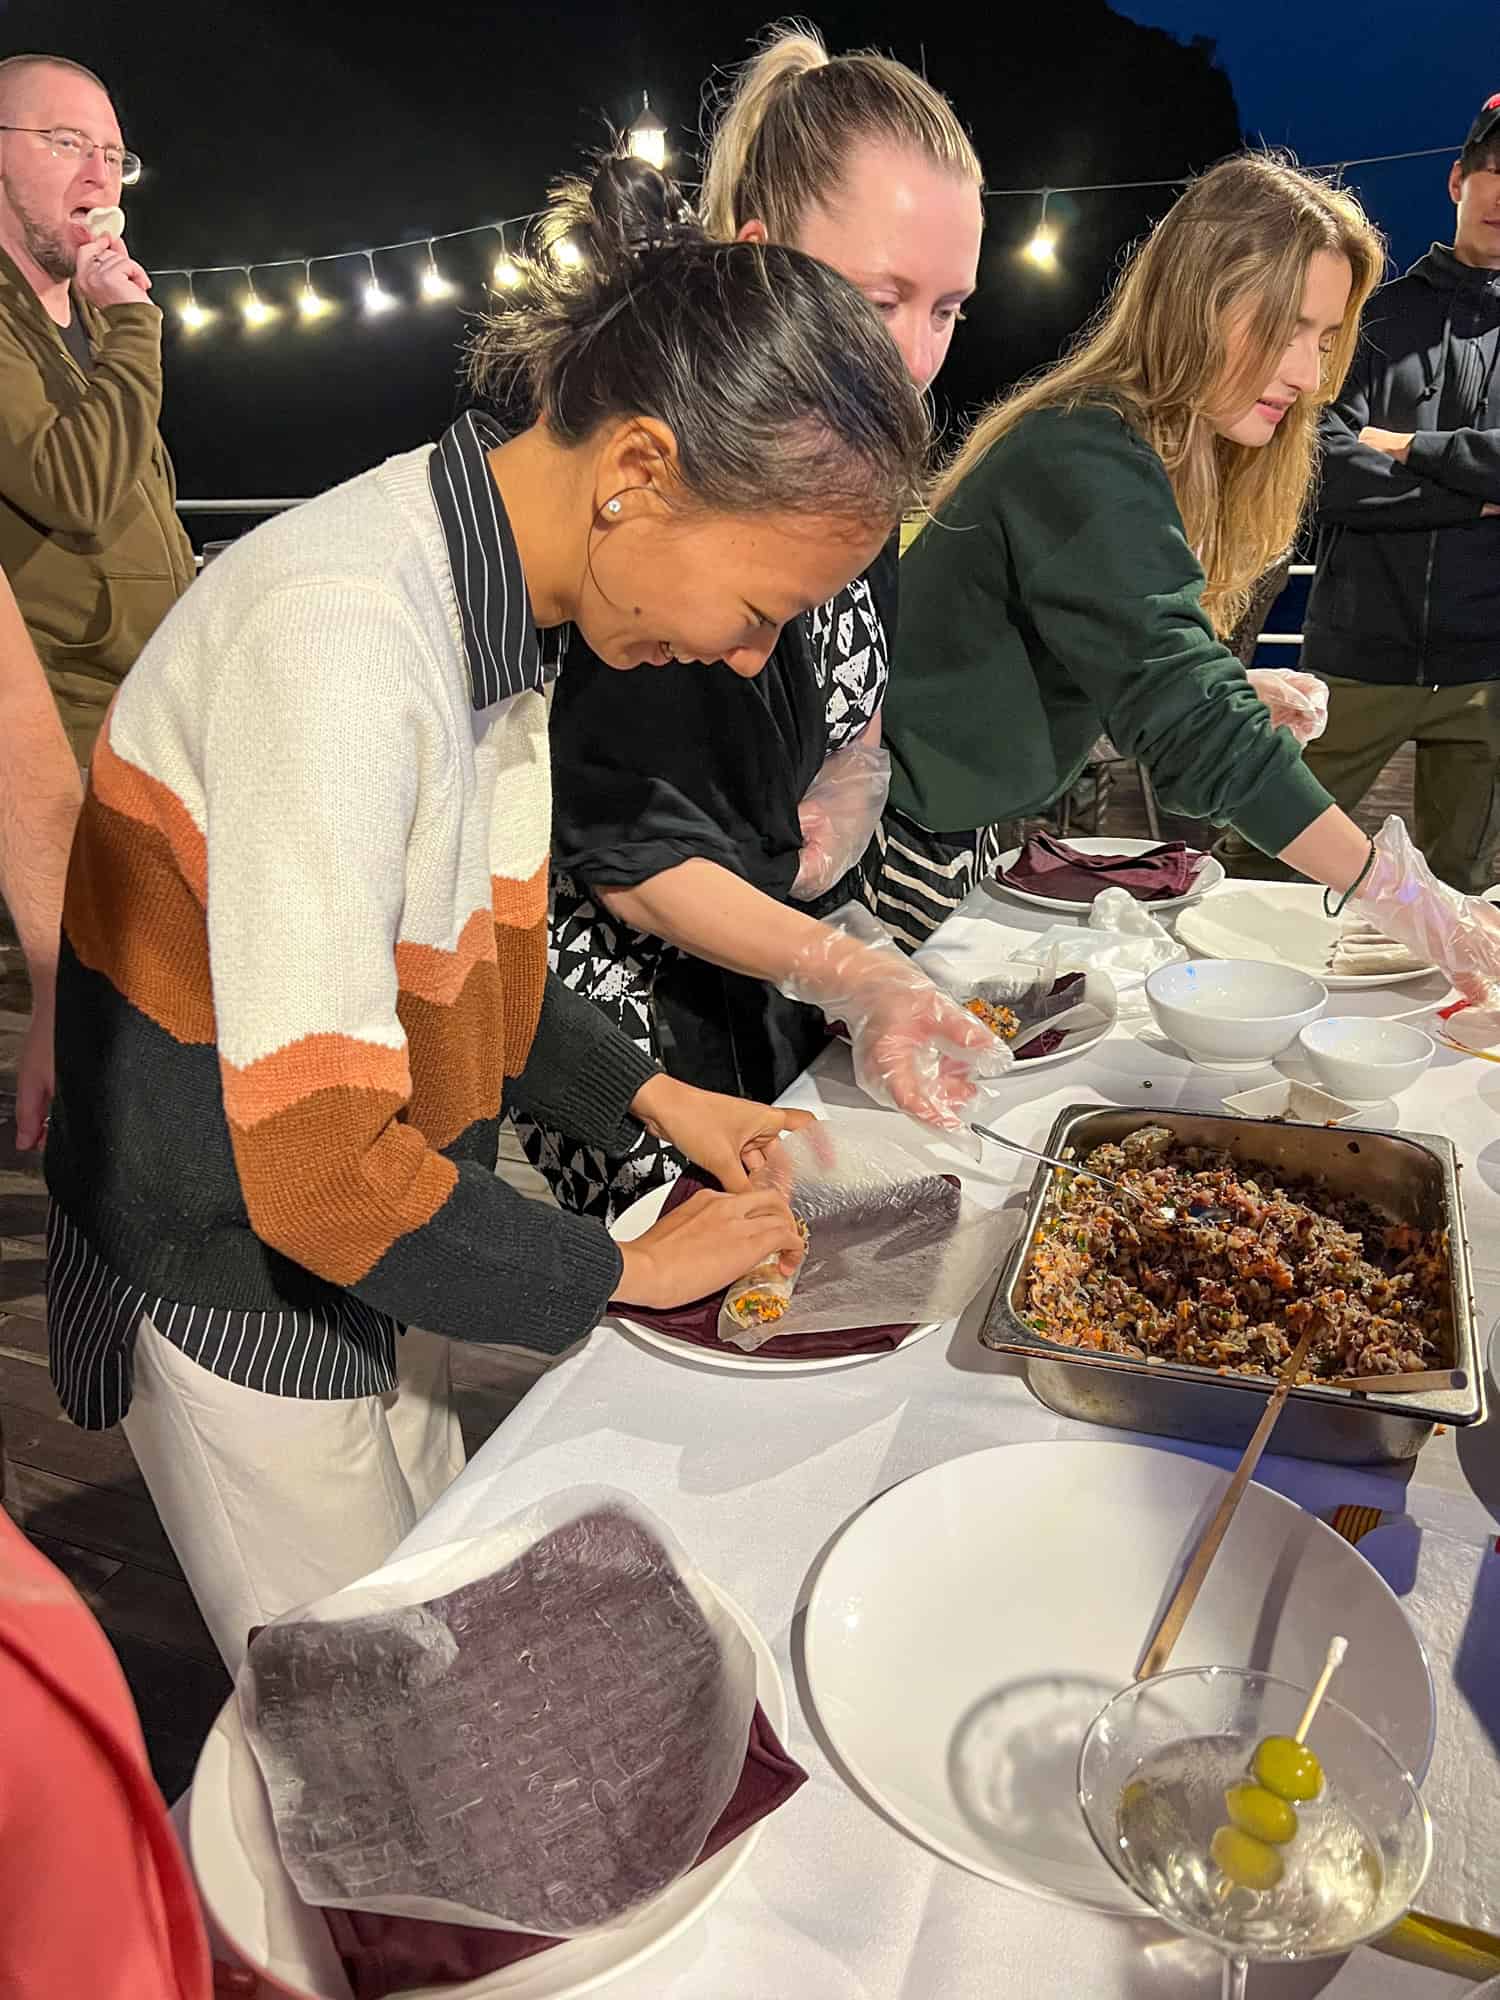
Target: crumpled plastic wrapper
{"x":535,"y":1731}
{"x":891,"y":1241}
{"x":1121,"y":938}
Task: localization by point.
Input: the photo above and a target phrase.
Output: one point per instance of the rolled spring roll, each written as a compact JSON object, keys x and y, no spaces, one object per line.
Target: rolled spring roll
{"x":763,"y":1295}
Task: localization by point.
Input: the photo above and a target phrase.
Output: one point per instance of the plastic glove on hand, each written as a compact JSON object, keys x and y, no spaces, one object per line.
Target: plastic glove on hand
{"x":1460,"y":934}
{"x":915,"y":1049}
{"x":838,"y":814}
{"x":1298,"y":702}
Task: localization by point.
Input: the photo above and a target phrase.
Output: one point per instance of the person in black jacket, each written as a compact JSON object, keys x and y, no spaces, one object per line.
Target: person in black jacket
{"x":1404,"y":618}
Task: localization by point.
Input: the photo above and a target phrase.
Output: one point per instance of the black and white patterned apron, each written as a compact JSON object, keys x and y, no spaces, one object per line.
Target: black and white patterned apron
{"x":618,"y":966}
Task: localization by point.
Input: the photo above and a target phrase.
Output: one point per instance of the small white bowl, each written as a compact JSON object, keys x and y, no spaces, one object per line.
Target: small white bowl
{"x":1365,"y":1061}
{"x":1234,"y":1013}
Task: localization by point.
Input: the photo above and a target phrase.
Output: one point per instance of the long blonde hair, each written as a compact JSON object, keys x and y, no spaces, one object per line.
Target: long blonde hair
{"x":786,"y":128}
{"x":1232,"y":252}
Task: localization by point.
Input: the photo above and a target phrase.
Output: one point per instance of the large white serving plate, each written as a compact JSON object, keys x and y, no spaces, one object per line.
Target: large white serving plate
{"x":967,"y":1626}
{"x":1209,"y":876}
{"x":232,"y":1841}
{"x":731,"y":1360}
{"x":1283,"y":922}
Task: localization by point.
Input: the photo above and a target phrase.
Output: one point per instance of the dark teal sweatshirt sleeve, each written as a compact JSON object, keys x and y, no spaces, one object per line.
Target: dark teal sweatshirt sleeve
{"x":1061,"y":595}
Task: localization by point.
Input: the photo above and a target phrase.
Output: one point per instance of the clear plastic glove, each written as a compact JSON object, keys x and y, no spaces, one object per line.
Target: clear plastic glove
{"x":839,"y":812}
{"x":1459,"y":934}
{"x":914,"y":1048}
{"x":1298,"y":702}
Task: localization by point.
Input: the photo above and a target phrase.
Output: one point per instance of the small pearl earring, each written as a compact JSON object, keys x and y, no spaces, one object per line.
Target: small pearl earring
{"x":611,"y":506}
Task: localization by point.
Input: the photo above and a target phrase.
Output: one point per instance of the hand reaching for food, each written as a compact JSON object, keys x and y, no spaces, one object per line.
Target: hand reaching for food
{"x":915,"y":1048}
{"x":1459,"y":934}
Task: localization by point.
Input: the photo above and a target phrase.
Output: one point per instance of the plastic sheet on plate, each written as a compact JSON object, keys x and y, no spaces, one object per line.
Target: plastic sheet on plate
{"x":1121,"y":938}
{"x":535,"y":1734}
{"x":889,"y":1241}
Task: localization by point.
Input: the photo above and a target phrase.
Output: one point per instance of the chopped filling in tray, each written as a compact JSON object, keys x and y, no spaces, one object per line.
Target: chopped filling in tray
{"x":1233,"y":1281}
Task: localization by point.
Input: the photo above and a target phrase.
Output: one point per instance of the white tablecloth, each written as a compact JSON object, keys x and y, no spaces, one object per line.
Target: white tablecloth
{"x":759,"y":1477}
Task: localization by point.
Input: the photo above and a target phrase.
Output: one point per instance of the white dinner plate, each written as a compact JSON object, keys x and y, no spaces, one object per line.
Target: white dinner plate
{"x":1209,"y":876}
{"x":638,"y":1218}
{"x":250,"y":1895}
{"x":967,"y":1626}
{"x":1284,"y":923}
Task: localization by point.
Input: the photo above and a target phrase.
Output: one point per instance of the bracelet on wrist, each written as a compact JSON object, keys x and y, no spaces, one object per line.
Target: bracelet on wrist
{"x":1353,"y":890}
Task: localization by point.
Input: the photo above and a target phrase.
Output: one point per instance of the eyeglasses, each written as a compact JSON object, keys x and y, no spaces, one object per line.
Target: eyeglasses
{"x":67,"y":144}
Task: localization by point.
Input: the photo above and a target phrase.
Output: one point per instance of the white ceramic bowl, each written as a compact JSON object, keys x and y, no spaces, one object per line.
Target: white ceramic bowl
{"x":1366,"y":1061}
{"x":1234,"y":1013}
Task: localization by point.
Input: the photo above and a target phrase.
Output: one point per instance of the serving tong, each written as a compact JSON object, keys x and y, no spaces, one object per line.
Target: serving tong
{"x":1163,"y":1211}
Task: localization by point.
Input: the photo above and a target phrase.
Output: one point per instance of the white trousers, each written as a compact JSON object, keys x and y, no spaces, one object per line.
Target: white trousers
{"x":272,"y":1501}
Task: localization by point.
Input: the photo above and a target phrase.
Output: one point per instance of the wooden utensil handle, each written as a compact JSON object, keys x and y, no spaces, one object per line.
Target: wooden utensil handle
{"x":1412,"y":1382}
{"x":1185,"y":1596}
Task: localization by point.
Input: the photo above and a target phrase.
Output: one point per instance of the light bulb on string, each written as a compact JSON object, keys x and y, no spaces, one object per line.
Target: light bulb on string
{"x":253,"y":306}
{"x":1042,"y":249}
{"x":434,"y":284}
{"x":192,"y":314}
{"x":567,"y":252}
{"x":507,"y":272}
{"x":377,"y":299}
{"x":648,"y":136}
{"x":310,"y":301}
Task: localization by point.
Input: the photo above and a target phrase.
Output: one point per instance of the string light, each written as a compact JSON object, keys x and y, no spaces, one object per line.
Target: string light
{"x":434,"y":284}
{"x":193,"y":315}
{"x":377,"y":299}
{"x":1042,"y":249}
{"x":648,"y":136}
{"x":507,"y":273}
{"x":310,"y":301}
{"x":253,"y":306}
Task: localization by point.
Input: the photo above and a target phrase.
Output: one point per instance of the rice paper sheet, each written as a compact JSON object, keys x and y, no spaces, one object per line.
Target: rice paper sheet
{"x":534,"y":1730}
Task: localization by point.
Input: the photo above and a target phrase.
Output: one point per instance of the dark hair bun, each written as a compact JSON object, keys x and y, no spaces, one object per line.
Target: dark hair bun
{"x":780,"y":386}
{"x":637,"y":209}
{"x":628,"y":210}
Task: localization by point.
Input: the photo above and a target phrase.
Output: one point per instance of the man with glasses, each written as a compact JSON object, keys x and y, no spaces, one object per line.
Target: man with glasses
{"x":89,"y":535}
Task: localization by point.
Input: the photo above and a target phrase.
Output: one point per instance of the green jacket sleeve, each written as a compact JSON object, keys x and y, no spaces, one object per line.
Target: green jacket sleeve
{"x":1105,"y":572}
{"x":70,"y":469}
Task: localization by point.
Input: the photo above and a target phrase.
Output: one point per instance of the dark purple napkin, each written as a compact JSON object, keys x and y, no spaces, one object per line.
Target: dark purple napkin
{"x":386,"y":1955}
{"x":1047,"y":866}
{"x":699,"y":1321}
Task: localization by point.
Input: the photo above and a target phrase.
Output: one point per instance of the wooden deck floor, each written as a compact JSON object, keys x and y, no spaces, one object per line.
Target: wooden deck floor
{"x":78,"y":1494}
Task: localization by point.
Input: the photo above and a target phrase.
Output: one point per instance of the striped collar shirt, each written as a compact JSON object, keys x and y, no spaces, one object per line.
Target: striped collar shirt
{"x":506,"y":653}
{"x":338,"y":1346}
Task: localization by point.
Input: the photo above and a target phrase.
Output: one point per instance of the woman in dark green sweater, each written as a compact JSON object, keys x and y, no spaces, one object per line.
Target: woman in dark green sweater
{"x":1098,"y":536}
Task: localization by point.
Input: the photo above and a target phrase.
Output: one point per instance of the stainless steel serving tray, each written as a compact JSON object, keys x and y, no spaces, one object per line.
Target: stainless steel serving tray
{"x":1412,"y":1176}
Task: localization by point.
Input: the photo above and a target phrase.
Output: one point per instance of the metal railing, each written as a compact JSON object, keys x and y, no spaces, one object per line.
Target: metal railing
{"x":238,"y":506}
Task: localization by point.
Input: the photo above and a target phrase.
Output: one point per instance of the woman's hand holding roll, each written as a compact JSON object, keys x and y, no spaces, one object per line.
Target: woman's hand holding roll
{"x":705,"y":1245}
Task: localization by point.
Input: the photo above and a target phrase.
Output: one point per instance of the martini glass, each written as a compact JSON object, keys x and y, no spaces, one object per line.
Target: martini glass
{"x":1151,"y":1780}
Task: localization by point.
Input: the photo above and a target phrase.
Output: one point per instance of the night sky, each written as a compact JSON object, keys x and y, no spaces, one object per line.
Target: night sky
{"x":277,"y":129}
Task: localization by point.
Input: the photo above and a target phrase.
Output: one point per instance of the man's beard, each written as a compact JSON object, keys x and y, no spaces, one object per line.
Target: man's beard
{"x":47,"y":246}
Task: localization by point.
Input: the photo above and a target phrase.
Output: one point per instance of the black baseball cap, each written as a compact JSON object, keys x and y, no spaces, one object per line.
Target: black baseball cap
{"x":1486,"y":125}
